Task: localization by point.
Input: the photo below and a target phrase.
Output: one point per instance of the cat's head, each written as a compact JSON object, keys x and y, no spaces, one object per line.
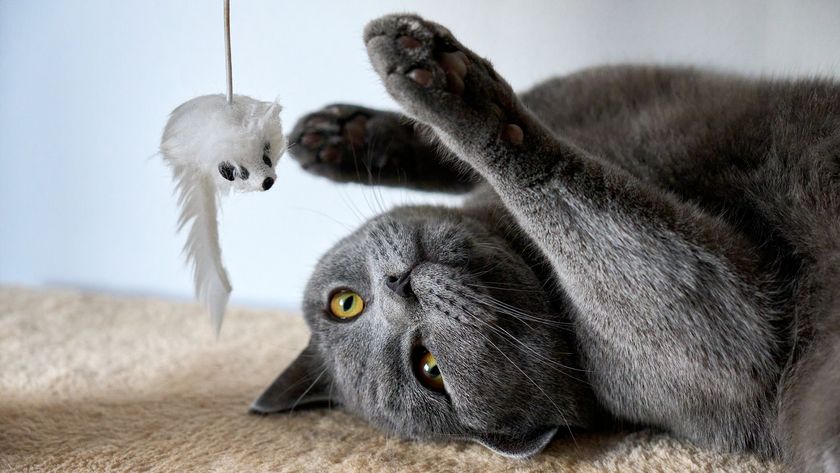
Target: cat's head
{"x":429,"y":325}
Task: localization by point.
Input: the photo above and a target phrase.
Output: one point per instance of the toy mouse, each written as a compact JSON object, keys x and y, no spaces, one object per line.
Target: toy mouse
{"x":215,"y":143}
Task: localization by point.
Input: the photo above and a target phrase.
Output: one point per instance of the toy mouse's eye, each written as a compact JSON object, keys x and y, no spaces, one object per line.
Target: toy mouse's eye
{"x":346,"y":304}
{"x":266,"y":151}
{"x":426,"y":369}
{"x":226,"y":170}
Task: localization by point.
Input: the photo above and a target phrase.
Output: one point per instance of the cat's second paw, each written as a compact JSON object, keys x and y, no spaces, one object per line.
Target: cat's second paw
{"x":351,"y":143}
{"x":328,"y":141}
{"x":440,"y":82}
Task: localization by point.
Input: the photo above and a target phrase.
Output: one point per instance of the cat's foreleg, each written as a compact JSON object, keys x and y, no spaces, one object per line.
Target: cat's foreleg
{"x":669,"y":301}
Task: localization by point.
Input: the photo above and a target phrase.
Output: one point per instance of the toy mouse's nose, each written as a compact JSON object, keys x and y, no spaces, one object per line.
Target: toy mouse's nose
{"x":267,"y":183}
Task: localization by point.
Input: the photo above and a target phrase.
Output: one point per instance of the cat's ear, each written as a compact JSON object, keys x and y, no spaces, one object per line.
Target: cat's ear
{"x":304,"y":383}
{"x":516,"y":446}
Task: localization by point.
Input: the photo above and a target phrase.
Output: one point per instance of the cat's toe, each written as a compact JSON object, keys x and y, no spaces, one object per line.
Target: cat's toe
{"x":405,"y":46}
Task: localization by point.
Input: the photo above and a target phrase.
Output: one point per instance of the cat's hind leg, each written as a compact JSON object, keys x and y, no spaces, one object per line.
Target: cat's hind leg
{"x":351,"y":143}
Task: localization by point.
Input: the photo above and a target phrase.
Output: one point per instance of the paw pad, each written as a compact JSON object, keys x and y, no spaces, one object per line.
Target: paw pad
{"x":355,"y":131}
{"x":422,"y":77}
{"x":408,"y":42}
{"x":331,"y":154}
{"x":455,"y":62}
{"x":312,"y":140}
{"x":513,"y":134}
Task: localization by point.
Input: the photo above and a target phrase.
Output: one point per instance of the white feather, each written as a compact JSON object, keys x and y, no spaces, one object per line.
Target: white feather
{"x":200,"y":135}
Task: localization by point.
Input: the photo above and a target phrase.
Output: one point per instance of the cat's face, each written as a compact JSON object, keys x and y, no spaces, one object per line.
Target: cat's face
{"x":430,"y":326}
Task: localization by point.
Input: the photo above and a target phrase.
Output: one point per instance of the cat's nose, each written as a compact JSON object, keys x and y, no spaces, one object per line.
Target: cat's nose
{"x":401,"y":285}
{"x":267,"y":183}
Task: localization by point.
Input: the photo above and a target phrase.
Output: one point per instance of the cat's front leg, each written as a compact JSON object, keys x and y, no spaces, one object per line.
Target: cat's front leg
{"x":671,"y":306}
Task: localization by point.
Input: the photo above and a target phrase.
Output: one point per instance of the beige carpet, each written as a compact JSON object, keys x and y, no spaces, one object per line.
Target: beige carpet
{"x":101,"y":383}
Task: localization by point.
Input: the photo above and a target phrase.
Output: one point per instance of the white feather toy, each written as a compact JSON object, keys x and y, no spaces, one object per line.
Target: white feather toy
{"x":216,"y":143}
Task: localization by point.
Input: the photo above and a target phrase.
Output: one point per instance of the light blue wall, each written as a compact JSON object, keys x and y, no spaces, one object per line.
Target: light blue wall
{"x":86,"y":86}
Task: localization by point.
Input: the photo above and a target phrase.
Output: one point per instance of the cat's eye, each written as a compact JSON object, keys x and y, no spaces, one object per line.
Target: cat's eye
{"x":426,"y":369}
{"x":266,"y":150}
{"x":346,"y":304}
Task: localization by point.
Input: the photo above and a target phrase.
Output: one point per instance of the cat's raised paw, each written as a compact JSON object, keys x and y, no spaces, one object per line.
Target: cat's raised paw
{"x":438,"y":81}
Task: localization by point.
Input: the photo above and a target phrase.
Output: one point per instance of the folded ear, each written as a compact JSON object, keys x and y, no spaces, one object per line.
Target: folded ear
{"x":304,"y":383}
{"x":518,"y":447}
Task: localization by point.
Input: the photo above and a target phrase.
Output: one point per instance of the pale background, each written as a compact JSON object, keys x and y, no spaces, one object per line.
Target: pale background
{"x":86,"y":86}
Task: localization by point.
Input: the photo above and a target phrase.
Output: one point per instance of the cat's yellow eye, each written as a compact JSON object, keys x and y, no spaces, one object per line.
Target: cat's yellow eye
{"x":346,"y":304}
{"x":427,"y":370}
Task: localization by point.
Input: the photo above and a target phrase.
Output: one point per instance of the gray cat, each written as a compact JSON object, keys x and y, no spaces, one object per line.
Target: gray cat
{"x":640,"y":245}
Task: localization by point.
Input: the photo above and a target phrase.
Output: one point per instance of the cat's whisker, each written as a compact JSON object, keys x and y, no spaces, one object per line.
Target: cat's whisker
{"x":364,"y":190}
{"x":330,"y":403}
{"x":490,"y":244}
{"x":489,"y":269}
{"x":563,"y":369}
{"x":508,"y":309}
{"x":328,"y":217}
{"x":512,"y":288}
{"x":351,"y":205}
{"x":504,"y":309}
{"x":525,"y":319}
{"x":312,"y":385}
{"x":511,"y":284}
{"x":500,"y":308}
{"x":556,"y":407}
{"x":373,"y":186}
{"x":507,"y":335}
{"x":378,"y":188}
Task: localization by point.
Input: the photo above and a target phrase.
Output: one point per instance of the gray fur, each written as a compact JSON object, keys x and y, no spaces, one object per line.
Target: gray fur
{"x":662,"y":248}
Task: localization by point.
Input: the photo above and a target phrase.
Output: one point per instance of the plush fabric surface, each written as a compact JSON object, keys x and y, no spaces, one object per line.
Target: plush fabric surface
{"x":102,"y":383}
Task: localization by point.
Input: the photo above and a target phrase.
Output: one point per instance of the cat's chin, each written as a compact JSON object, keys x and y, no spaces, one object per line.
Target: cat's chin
{"x":518,"y":447}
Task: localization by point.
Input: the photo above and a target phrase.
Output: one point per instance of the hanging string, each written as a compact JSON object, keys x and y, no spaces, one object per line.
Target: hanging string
{"x":227,"y":53}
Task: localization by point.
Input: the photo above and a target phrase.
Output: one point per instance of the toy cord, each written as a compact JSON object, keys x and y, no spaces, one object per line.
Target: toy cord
{"x":227,"y":54}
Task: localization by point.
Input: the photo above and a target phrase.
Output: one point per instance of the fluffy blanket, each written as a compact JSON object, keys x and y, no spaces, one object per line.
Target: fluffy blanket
{"x":102,"y":383}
